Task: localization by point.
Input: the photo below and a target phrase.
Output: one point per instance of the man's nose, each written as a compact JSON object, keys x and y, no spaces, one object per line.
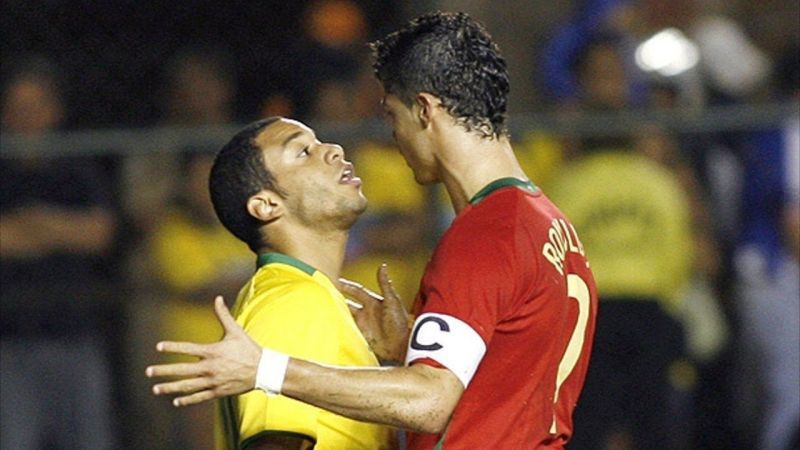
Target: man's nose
{"x":334,"y":153}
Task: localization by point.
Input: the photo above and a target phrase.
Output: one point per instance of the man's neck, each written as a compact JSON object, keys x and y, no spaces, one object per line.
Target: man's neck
{"x":323,"y":251}
{"x":469,"y":163}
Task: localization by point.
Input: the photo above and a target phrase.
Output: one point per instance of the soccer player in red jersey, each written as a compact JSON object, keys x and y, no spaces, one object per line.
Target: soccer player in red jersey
{"x":498,"y":352}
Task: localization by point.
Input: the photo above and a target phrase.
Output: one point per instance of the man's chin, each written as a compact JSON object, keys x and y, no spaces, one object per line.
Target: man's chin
{"x":362,"y":207}
{"x":426,"y":179}
{"x":355,"y":212}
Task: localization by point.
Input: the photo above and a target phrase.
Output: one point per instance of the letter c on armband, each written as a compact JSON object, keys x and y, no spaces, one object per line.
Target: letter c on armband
{"x":416,"y":345}
{"x":450,"y":342}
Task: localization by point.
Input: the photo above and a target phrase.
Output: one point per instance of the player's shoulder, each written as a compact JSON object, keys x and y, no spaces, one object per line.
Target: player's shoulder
{"x":516,"y":208}
{"x":284,"y":305}
{"x":277,"y":286}
{"x":273,"y":274}
{"x":507,"y":224}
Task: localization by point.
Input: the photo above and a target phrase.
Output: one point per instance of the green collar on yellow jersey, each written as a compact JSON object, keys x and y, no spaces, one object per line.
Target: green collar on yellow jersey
{"x":266,"y":258}
{"x":501,"y":183}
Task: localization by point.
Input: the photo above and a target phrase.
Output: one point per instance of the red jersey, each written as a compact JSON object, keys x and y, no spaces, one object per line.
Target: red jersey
{"x":508,"y":303}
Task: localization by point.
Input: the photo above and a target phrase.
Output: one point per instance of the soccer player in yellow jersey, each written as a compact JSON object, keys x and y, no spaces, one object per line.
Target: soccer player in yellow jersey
{"x":292,"y":199}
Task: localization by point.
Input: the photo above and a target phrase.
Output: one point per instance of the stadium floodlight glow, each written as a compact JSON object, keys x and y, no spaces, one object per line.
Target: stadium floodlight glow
{"x":668,"y":52}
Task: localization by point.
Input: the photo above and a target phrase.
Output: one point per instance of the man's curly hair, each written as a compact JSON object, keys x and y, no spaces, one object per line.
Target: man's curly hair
{"x":451,"y":56}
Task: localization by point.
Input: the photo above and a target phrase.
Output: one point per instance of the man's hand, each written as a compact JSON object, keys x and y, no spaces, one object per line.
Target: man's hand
{"x":227,"y":367}
{"x":382,"y":319}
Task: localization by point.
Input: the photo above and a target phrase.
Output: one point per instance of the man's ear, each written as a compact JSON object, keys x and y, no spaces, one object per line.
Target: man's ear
{"x":265,"y":206}
{"x":426,"y":107}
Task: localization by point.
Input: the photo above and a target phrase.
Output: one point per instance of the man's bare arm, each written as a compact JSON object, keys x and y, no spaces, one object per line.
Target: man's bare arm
{"x":419,"y":398}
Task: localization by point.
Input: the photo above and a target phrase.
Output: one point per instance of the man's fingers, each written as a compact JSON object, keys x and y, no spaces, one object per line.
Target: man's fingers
{"x":186,"y":386}
{"x":197,"y":397}
{"x":354,"y":306}
{"x":224,"y":315}
{"x":174,"y":370}
{"x":349,"y":284}
{"x":185,"y":348}
{"x":357,"y":291}
{"x":351,"y":288}
{"x":386,"y":283}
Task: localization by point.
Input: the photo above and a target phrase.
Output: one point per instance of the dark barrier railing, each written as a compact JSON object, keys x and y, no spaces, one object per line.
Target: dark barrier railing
{"x":165,"y":139}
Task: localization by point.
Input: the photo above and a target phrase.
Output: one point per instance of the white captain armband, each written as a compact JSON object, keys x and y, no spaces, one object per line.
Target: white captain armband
{"x":448,"y":341}
{"x":271,"y":371}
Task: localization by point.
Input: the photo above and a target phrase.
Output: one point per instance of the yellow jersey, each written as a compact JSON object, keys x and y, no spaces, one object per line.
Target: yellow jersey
{"x":290,"y":307}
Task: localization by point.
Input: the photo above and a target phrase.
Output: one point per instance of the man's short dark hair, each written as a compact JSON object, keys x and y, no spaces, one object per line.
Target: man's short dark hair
{"x":452,"y":57}
{"x":238,"y":173}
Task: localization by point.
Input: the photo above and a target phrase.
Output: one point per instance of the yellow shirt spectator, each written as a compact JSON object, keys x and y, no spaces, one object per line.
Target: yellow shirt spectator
{"x":188,"y":256}
{"x":633,"y":219}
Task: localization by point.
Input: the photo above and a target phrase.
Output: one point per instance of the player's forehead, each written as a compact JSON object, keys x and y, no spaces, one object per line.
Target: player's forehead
{"x":276,"y":136}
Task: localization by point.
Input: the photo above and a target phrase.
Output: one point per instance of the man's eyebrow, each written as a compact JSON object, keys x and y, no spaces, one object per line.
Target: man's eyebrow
{"x":294,"y":135}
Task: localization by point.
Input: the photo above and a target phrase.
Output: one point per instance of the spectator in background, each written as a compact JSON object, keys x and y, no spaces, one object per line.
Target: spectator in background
{"x":194,"y":258}
{"x":199,"y":89}
{"x":766,"y":261}
{"x":704,"y":25}
{"x":706,"y":327}
{"x":788,"y":81}
{"x":333,"y":81}
{"x":57,"y":230}
{"x":633,"y":218}
{"x":591,"y":18}
{"x":331,"y":51}
{"x":348,"y":96}
{"x":701,"y":400}
{"x":718,"y":37}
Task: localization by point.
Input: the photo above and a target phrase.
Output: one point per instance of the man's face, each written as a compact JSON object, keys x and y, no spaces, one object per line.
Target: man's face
{"x":603,"y":78}
{"x":410,"y":139}
{"x":320,"y":185}
{"x":31,"y":106}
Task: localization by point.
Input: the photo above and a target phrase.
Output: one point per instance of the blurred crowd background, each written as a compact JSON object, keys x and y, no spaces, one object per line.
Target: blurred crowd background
{"x":668,"y":130}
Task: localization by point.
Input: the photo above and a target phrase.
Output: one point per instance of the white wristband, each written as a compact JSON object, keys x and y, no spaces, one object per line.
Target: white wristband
{"x":271,"y":371}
